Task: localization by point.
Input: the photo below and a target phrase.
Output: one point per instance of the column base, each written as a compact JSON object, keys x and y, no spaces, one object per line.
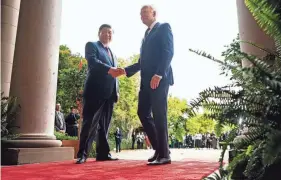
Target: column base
{"x":26,"y":143}
{"x":17,"y":156}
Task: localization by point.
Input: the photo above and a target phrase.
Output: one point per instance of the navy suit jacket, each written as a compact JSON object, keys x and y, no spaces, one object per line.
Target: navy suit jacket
{"x":99,"y":84}
{"x":157,"y":51}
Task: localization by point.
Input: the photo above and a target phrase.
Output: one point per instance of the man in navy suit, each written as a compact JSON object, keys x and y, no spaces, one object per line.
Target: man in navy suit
{"x":157,"y":51}
{"x":100,"y":94}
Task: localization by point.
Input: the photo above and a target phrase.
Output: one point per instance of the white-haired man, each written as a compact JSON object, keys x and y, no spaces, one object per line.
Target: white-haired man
{"x":156,"y":54}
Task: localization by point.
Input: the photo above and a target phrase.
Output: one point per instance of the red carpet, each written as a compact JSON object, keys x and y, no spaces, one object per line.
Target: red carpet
{"x":118,"y":170}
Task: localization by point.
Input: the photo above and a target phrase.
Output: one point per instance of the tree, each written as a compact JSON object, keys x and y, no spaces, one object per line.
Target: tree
{"x":67,"y":59}
{"x":70,"y":78}
{"x":70,"y":83}
{"x":200,"y":124}
{"x":176,"y":121}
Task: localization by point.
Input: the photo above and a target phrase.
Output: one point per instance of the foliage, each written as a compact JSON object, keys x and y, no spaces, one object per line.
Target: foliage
{"x":63,"y":136}
{"x":200,"y":124}
{"x":9,"y":110}
{"x":70,"y":83}
{"x":179,"y":124}
{"x":223,"y":128}
{"x":176,"y":120}
{"x":67,"y":59}
{"x":70,"y":78}
{"x":254,"y":96}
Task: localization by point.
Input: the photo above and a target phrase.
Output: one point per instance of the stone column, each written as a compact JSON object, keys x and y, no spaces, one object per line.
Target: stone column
{"x":250,"y":31}
{"x":35,"y":71}
{"x":9,"y":23}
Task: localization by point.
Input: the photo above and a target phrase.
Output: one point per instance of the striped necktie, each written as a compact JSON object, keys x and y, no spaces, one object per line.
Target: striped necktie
{"x":109,"y":54}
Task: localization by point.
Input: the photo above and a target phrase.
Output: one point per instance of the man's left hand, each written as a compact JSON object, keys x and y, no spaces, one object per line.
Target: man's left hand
{"x":154,"y":83}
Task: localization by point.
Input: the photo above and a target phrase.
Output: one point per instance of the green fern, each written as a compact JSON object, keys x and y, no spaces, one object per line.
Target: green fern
{"x":254,"y":95}
{"x":266,"y":16}
{"x":9,"y":110}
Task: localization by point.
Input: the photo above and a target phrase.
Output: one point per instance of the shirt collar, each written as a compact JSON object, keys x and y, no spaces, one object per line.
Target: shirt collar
{"x":105,"y":46}
{"x":152,"y":25}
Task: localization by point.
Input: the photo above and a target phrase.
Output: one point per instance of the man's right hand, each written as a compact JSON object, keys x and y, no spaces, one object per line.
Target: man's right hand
{"x":116,"y":72}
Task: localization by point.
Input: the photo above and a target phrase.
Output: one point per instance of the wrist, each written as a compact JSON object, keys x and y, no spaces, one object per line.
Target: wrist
{"x":158,"y":76}
{"x":110,"y":70}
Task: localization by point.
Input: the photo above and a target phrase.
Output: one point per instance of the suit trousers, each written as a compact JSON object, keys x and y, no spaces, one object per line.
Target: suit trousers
{"x":97,"y":115}
{"x":154,"y":102}
{"x":118,"y":145}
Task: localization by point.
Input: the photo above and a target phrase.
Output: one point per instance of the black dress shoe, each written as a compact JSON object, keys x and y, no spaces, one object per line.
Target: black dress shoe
{"x":160,"y":161}
{"x":106,"y":158}
{"x":81,"y":160}
{"x":153,"y":158}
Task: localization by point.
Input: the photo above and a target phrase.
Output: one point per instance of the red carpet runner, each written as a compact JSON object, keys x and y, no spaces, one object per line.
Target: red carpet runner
{"x":118,"y":170}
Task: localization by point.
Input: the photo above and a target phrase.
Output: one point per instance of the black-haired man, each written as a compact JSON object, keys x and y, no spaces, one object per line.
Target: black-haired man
{"x":100,"y":94}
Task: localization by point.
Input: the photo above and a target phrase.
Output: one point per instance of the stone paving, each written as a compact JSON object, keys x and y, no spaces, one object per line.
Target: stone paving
{"x":176,"y":154}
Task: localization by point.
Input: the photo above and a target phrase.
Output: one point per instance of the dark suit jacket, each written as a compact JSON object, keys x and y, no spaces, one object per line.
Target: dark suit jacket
{"x":157,"y":51}
{"x":118,"y":136}
{"x":99,"y":84}
{"x":59,"y":121}
{"x":72,"y":119}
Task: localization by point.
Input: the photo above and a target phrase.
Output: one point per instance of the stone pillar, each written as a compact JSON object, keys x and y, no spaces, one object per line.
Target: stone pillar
{"x":9,"y":23}
{"x":35,"y":71}
{"x":250,"y":31}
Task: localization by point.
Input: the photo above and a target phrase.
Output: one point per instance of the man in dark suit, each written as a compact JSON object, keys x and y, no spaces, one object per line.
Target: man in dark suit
{"x":100,"y":94}
{"x":133,"y":139}
{"x":118,"y":139}
{"x":157,"y":51}
{"x":72,"y":122}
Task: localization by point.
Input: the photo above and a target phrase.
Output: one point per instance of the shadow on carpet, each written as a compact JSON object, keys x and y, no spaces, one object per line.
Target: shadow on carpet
{"x":117,"y":170}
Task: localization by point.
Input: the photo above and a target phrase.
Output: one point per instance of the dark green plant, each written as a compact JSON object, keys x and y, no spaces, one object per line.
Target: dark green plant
{"x":63,"y":136}
{"x":254,"y":96}
{"x":9,"y":110}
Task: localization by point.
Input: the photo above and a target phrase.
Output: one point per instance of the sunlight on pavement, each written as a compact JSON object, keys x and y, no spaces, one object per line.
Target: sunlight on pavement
{"x":176,"y":154}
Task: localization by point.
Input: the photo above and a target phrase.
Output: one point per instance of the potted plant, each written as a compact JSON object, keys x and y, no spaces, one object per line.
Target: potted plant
{"x":68,"y":141}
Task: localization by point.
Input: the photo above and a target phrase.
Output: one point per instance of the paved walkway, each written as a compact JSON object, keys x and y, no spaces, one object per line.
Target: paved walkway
{"x":176,"y":154}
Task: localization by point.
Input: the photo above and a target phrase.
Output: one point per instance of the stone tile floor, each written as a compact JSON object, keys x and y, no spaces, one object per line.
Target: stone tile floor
{"x":212,"y":155}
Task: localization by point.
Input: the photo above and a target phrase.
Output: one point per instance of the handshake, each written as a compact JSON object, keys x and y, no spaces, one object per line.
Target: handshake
{"x":116,"y":72}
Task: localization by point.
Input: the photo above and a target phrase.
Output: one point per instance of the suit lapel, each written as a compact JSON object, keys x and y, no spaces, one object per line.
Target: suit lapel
{"x":152,"y":30}
{"x":150,"y":34}
{"x":113,"y":60}
{"x":105,"y":53}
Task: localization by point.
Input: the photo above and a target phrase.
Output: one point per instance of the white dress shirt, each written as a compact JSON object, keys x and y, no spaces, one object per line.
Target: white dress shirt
{"x":151,"y":26}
